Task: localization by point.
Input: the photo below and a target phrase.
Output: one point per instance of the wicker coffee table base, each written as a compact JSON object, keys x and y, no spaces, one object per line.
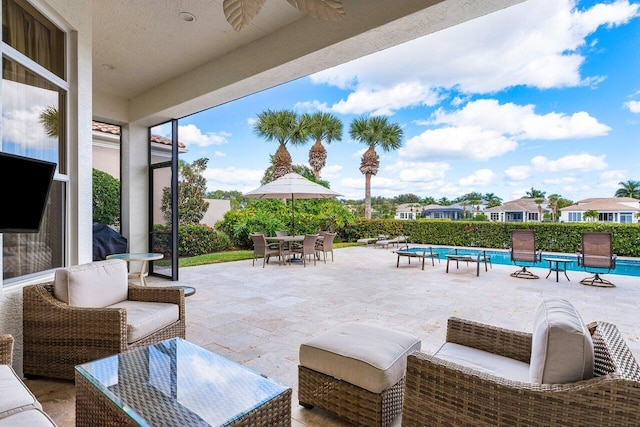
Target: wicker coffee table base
{"x":355,"y":404}
{"x":94,"y":409}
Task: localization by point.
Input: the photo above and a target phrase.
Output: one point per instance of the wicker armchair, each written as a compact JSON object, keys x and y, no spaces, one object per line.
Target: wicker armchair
{"x":57,"y":336}
{"x":442,"y":393}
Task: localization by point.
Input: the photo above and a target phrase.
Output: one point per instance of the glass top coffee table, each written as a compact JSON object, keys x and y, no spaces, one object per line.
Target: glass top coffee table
{"x":177,"y":383}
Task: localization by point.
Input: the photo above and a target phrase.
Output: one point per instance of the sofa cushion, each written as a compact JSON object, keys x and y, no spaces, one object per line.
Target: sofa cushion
{"x":95,"y":284}
{"x":144,"y":318}
{"x":29,"y":418}
{"x":16,"y":397}
{"x":484,"y":361}
{"x":367,"y":356}
{"x":562,"y":349}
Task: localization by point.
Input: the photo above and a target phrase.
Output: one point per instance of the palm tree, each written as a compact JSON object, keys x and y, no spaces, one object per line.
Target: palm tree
{"x":534,"y":194}
{"x":553,"y":203}
{"x":492,"y":200}
{"x":629,"y":189}
{"x":322,"y":126}
{"x":374,"y":131}
{"x":285,"y":127}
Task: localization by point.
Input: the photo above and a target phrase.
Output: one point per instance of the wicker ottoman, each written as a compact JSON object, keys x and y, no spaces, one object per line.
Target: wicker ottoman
{"x":356,"y":371}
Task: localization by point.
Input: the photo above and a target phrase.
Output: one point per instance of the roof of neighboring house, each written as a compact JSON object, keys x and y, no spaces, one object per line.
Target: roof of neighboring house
{"x":518,"y":205}
{"x":115,"y":130}
{"x":609,"y":204}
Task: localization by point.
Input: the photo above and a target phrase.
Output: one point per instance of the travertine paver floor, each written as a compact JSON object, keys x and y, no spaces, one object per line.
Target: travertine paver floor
{"x":258,"y":317}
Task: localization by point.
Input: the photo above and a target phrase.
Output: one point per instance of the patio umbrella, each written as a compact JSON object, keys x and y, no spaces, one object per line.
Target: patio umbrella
{"x":292,"y":186}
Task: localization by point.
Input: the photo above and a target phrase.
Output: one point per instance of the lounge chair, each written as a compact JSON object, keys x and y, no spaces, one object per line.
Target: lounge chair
{"x":523,"y":250}
{"x":384,"y":243}
{"x":597,"y":255}
{"x":564,"y":373}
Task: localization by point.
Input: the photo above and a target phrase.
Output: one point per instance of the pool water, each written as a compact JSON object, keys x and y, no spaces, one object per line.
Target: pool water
{"x":624,"y":266}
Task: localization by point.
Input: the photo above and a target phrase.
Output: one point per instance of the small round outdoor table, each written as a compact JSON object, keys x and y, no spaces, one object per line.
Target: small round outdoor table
{"x":143,"y":258}
{"x":558,"y":265}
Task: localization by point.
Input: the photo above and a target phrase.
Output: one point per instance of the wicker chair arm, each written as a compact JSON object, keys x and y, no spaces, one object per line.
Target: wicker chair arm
{"x":508,"y":343}
{"x":468,"y":397}
{"x":170,"y":294}
{"x":6,"y":349}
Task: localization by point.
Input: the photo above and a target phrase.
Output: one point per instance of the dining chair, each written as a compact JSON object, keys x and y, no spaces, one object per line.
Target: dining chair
{"x":325,"y":245}
{"x":262,"y":249}
{"x":308,"y":248}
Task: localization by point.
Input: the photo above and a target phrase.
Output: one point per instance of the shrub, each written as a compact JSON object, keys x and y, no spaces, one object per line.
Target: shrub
{"x":106,"y":198}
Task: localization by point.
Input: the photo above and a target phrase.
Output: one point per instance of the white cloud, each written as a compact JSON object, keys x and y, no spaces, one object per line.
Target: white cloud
{"x":520,"y":121}
{"x":219,"y":154}
{"x":310,"y":106}
{"x":191,"y":135}
{"x":385,"y":101}
{"x":470,"y":143}
{"x":633,"y":106}
{"x":581,"y":162}
{"x":542,"y":51}
{"x":611,"y":179}
{"x":480,"y":178}
{"x":411,"y":172}
{"x":233,"y":178}
{"x":518,"y":173}
{"x":331,"y":171}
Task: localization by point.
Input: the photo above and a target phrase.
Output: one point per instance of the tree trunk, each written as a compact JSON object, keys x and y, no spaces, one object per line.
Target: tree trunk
{"x":367,"y":196}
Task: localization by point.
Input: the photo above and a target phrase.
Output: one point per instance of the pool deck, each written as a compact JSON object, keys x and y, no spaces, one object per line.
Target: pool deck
{"x":259,"y":316}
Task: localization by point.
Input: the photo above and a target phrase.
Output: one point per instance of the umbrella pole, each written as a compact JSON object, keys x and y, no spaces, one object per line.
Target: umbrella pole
{"x":293,"y":215}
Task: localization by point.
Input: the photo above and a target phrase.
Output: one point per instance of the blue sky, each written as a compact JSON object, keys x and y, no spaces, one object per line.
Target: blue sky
{"x":544,"y":94}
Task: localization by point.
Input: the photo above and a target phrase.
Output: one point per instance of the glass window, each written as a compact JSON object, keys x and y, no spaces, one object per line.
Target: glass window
{"x":33,"y":125}
{"x":30,"y":33}
{"x":626,"y":217}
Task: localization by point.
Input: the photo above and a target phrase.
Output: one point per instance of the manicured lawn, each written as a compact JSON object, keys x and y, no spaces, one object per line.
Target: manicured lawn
{"x":231,"y":256}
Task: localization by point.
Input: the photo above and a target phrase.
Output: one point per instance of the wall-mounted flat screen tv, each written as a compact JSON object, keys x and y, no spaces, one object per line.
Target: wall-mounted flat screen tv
{"x":24,"y":190}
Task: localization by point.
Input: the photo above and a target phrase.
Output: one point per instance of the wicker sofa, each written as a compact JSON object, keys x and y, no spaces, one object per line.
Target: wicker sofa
{"x":18,"y":406}
{"x":439,"y":392}
{"x":106,"y":317}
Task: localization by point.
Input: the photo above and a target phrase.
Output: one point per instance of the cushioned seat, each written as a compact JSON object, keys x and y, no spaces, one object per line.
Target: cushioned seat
{"x":93,"y":312}
{"x":578,"y":375}
{"x":365,"y":365}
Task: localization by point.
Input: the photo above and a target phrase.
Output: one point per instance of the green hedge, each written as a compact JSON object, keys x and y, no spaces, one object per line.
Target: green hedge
{"x":193,"y":240}
{"x":550,"y":237}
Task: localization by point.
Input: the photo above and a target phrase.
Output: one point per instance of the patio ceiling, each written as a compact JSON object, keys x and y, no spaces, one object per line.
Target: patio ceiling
{"x":146,"y":55}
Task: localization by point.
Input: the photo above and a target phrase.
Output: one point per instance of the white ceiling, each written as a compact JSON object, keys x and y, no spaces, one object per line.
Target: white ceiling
{"x":166,"y":67}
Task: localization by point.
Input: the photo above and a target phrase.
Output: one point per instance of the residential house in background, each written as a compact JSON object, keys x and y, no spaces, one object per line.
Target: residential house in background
{"x":410,"y":210}
{"x":622,"y":210}
{"x":519,"y":210}
{"x":453,"y":212}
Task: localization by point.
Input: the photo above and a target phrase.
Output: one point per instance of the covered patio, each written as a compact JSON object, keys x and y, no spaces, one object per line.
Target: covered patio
{"x":258,"y":317}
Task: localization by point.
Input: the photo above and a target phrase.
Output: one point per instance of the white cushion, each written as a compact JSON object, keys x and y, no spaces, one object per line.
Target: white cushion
{"x":562,"y":349}
{"x":145,"y":318}
{"x":30,"y":418}
{"x":484,"y":361}
{"x":95,"y":284}
{"x":15,"y":396}
{"x":367,"y":356}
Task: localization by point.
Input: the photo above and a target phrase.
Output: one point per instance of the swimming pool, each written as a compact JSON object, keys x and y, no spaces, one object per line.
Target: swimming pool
{"x":624,"y":266}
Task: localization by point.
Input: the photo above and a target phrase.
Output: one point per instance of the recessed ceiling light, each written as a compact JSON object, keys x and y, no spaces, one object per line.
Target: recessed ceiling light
{"x":108,"y":67}
{"x":186,"y":16}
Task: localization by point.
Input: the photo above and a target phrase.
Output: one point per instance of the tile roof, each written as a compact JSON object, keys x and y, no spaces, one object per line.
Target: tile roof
{"x":522,"y":205}
{"x":610,"y":204}
{"x":115,"y":130}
